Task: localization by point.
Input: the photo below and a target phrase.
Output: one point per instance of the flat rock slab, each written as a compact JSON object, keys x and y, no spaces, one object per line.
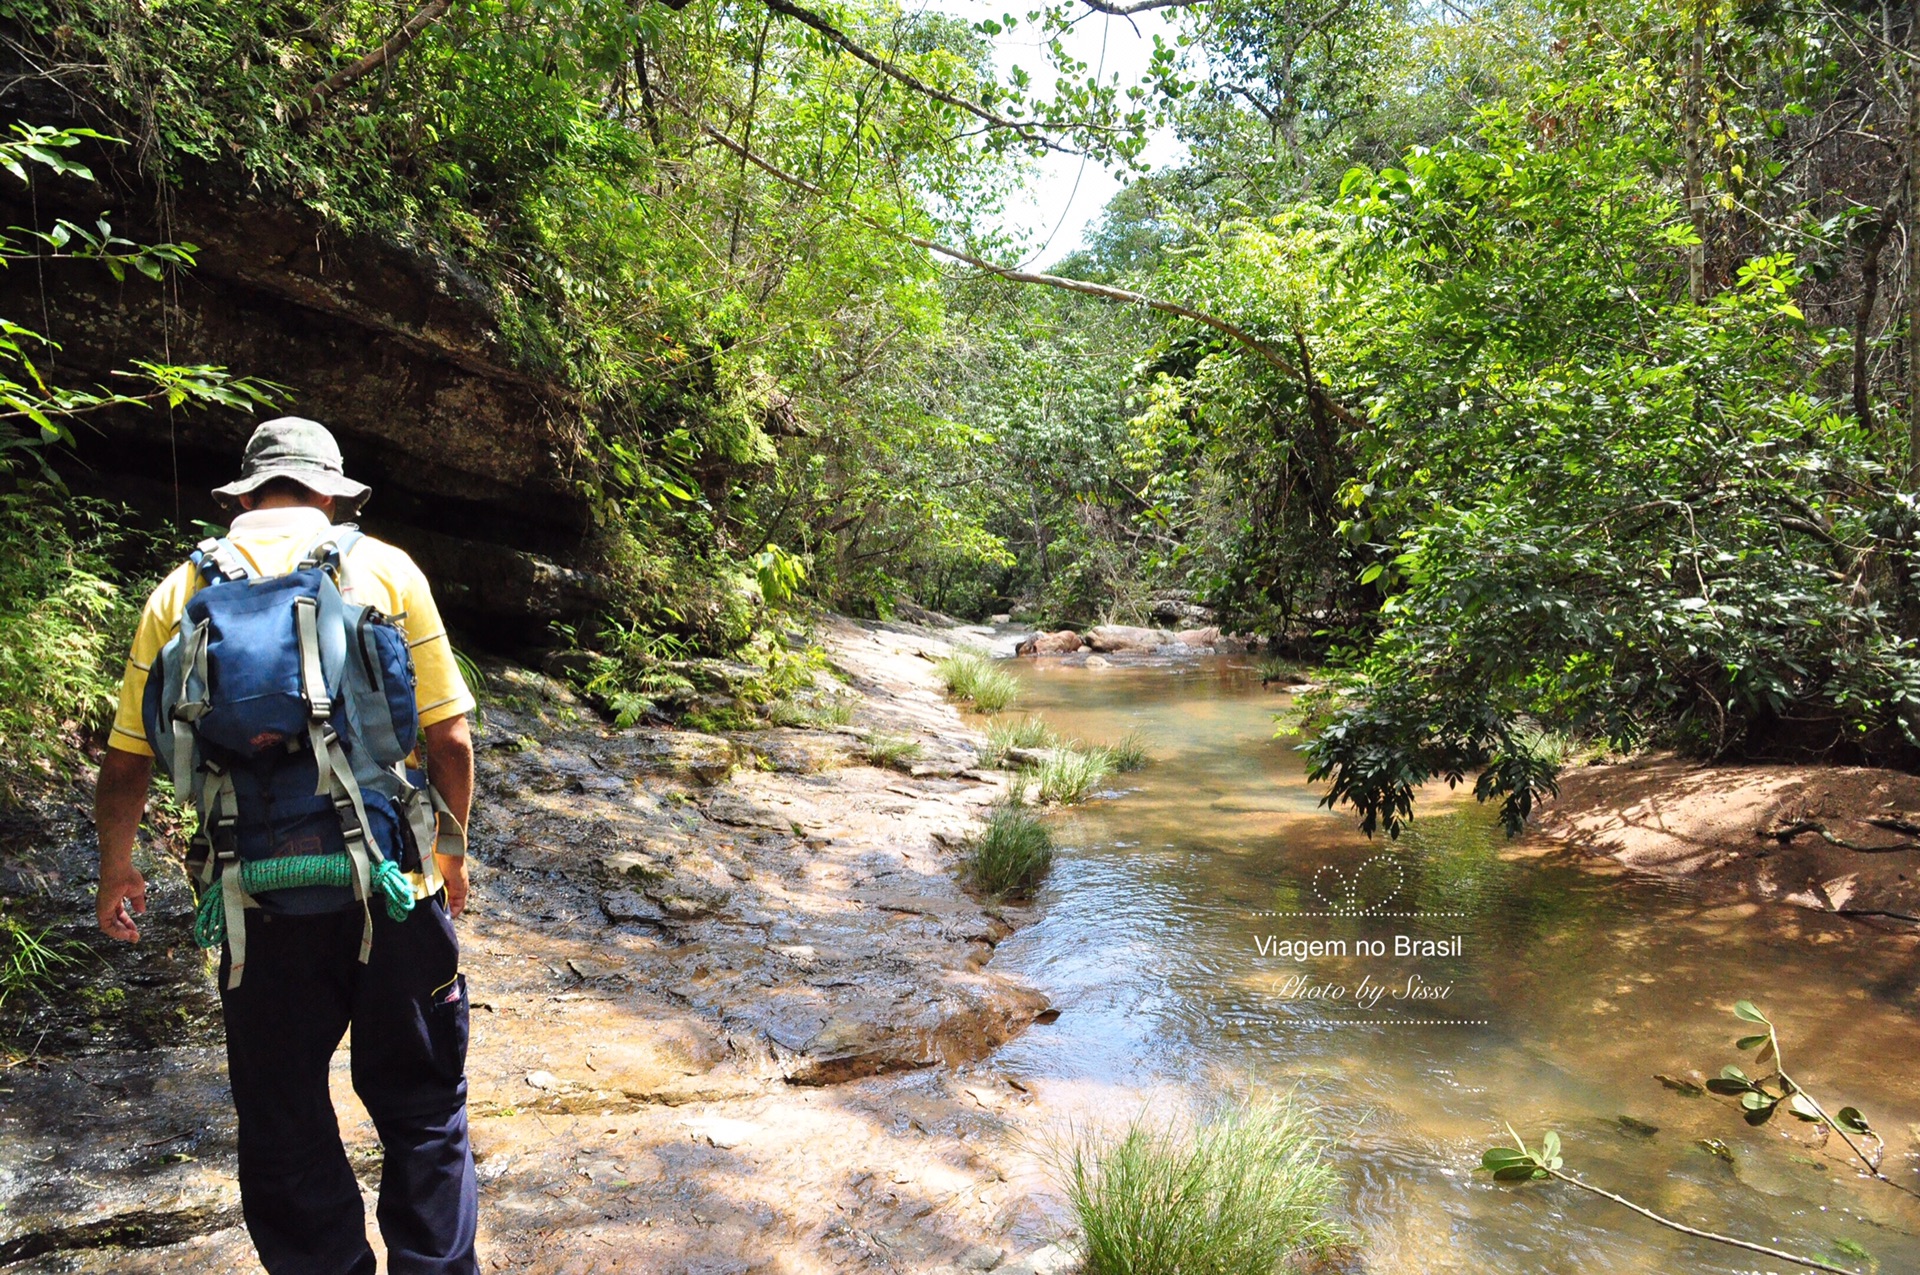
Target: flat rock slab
{"x":730,"y":1007}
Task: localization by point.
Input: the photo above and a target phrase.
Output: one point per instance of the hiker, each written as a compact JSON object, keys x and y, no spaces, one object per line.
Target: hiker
{"x":282,"y":676}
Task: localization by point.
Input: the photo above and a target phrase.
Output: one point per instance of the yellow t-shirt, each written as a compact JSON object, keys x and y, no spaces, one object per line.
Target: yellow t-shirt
{"x":374,"y":573}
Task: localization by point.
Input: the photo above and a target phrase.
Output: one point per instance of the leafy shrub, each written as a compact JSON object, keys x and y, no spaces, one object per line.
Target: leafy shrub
{"x":1246,"y":1192}
{"x":1069,"y":774}
{"x":974,"y":677}
{"x":1008,"y":859}
{"x":893,"y":752}
{"x":64,"y":628}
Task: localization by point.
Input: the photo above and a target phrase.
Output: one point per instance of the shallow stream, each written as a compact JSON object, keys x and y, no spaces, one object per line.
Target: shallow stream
{"x":1573,"y":988}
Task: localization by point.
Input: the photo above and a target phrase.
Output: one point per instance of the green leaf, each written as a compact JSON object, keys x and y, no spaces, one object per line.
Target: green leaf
{"x":1728,"y":1088}
{"x":1852,"y":1121}
{"x":1745,"y":1010}
{"x":1751,"y":1042}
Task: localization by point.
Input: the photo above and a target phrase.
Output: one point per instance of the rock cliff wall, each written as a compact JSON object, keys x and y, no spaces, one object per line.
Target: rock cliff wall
{"x":476,"y":466}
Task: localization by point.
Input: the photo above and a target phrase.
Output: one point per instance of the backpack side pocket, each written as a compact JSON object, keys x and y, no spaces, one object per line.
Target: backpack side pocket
{"x":381,"y":689}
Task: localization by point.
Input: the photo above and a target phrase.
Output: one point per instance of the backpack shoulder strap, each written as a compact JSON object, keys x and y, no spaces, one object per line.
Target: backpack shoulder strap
{"x":218,"y":559}
{"x":330,"y":548}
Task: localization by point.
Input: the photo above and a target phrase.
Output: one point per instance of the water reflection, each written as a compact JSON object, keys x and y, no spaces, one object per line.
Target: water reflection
{"x":1589,"y":985}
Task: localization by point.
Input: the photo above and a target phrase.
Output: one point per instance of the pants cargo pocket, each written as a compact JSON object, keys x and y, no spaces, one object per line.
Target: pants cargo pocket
{"x":447,"y":1028}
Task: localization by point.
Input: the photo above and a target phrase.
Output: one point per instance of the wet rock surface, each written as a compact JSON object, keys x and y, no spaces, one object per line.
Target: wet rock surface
{"x":730,"y":1012}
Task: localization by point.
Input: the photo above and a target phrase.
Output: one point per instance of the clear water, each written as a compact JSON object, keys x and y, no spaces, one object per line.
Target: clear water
{"x":1573,"y":988}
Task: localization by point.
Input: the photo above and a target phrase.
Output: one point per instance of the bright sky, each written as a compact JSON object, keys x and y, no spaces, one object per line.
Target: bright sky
{"x":1064,"y":195}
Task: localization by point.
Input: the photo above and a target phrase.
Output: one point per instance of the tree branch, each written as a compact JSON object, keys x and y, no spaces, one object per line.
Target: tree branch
{"x":396,"y":44}
{"x":1279,"y":362}
{"x":1139,"y":6}
{"x":1029,"y":129}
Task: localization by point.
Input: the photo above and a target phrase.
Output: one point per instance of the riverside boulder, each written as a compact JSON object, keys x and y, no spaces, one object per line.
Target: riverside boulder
{"x":1061,"y":642}
{"x":1127,"y":637}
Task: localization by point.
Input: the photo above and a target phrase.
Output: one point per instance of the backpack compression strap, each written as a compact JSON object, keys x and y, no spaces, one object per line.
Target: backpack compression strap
{"x":321,"y":630}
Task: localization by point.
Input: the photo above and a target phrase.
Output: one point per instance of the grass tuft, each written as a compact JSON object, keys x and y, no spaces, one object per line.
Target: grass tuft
{"x":1069,"y":774}
{"x":974,"y":677}
{"x":811,"y":714}
{"x":1243,"y":1194}
{"x":892,"y":752}
{"x":1130,"y":754}
{"x":29,"y":965}
{"x":1009,"y":858}
{"x":1277,"y":671}
{"x":1005,"y":735}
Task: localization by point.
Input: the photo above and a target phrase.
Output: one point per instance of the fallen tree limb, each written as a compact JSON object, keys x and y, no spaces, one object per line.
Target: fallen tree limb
{"x":1789,"y":829}
{"x":1279,"y":362}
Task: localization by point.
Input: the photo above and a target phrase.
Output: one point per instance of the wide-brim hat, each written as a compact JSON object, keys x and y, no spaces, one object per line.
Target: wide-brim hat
{"x":304,"y":451}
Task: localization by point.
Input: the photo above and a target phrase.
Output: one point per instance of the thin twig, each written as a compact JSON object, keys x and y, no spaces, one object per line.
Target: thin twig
{"x":1684,"y":1229}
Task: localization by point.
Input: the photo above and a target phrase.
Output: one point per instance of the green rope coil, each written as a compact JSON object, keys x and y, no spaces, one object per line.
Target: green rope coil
{"x":261,"y":875}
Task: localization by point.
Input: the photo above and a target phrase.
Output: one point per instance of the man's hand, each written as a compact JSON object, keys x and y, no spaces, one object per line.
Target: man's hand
{"x":123,"y":896}
{"x":453,"y":870}
{"x":119,"y":799}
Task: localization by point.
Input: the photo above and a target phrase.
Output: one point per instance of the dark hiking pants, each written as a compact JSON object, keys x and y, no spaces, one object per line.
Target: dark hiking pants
{"x":302,"y":988}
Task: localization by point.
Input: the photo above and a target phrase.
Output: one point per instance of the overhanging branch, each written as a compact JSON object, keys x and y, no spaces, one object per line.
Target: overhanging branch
{"x":1279,"y":362}
{"x":1139,"y":6}
{"x":1032,"y":130}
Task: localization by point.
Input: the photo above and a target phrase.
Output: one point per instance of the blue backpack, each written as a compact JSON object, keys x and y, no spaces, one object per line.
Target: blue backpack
{"x":288,"y":714}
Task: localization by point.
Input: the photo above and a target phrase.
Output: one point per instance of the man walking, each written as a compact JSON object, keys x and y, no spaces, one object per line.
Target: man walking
{"x":309,"y":953}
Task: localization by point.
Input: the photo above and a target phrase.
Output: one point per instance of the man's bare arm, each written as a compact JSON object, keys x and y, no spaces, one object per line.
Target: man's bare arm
{"x":450,"y":770}
{"x":119,"y":801}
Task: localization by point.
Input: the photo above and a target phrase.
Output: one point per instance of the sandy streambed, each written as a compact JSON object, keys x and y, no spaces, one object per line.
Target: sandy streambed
{"x":731,"y":1013}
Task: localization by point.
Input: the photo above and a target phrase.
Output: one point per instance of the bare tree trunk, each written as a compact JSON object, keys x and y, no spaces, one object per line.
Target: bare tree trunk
{"x":1863,"y":316}
{"x":1693,"y":130}
{"x":1913,"y":247}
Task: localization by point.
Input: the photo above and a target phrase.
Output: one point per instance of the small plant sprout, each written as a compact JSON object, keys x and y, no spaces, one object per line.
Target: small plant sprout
{"x":1520,"y":1163}
{"x":892,"y":752}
